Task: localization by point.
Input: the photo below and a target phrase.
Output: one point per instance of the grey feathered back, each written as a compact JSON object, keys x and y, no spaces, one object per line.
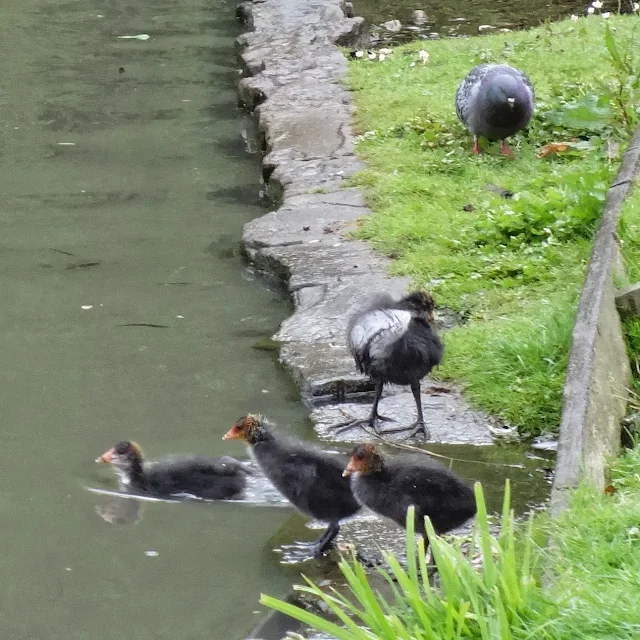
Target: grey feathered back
{"x":481,"y":101}
{"x":391,"y":342}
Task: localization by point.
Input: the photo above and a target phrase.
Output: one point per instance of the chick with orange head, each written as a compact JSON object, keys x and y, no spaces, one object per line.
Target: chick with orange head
{"x":389,"y":486}
{"x":309,"y":478}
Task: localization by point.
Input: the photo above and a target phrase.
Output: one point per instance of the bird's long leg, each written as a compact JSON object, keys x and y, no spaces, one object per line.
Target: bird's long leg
{"x":419,"y":424}
{"x":476,"y":146}
{"x":371,"y":420}
{"x":374,"y":409}
{"x":504,"y":147}
{"x":326,"y":539}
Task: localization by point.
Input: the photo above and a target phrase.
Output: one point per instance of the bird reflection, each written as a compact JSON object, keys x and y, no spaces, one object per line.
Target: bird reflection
{"x":120,"y":511}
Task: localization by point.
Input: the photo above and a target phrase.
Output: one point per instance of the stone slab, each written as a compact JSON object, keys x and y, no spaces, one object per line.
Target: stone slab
{"x":449,"y":418}
{"x":312,"y":217}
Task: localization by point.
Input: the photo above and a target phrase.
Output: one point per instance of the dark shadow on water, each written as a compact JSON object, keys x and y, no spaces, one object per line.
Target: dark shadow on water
{"x":234,"y":195}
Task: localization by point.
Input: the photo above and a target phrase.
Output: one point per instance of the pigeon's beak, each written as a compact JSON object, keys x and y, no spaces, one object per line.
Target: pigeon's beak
{"x":511,"y":102}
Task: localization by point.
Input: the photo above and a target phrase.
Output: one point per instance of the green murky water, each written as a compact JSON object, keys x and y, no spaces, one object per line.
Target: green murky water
{"x":451,"y":18}
{"x":125,"y":186}
{"x":117,"y":184}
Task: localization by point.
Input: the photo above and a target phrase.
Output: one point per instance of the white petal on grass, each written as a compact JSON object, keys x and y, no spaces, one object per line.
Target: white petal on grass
{"x":140,"y":36}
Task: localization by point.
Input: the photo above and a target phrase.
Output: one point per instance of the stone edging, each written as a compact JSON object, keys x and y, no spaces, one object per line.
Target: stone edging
{"x":598,"y":374}
{"x":293,"y":72}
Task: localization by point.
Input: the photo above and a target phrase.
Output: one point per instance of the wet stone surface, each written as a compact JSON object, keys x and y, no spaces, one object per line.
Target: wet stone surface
{"x":293,"y":73}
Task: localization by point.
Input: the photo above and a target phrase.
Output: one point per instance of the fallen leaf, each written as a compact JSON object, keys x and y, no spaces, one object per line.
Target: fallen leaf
{"x":553,"y":147}
{"x":609,"y":489}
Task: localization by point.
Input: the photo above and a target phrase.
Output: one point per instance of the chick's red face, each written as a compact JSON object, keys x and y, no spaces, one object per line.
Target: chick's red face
{"x":121,"y":453}
{"x":243,"y":429}
{"x":355,"y":465}
{"x":361,"y":458}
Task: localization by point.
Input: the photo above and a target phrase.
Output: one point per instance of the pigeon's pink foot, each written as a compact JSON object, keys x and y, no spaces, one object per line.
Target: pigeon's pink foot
{"x":476,"y":147}
{"x":505,"y":149}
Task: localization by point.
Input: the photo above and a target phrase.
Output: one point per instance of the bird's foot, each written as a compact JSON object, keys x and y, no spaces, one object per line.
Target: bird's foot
{"x":418,"y":426}
{"x":476,"y":147}
{"x":352,"y":424}
{"x":299,"y":544}
{"x":299,"y":551}
{"x":364,"y":422}
{"x":505,"y":148}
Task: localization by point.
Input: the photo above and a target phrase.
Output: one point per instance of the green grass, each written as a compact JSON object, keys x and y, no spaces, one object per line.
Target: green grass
{"x":629,"y":232}
{"x":593,"y":566}
{"x":596,"y":558}
{"x":513,"y":267}
{"x":495,"y":601}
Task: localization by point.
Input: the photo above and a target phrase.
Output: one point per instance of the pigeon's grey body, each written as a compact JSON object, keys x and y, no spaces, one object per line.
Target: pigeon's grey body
{"x":495,"y":101}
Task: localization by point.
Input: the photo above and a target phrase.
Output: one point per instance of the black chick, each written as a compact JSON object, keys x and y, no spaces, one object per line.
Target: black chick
{"x":395,"y":342}
{"x":311,"y":480}
{"x":390,"y":486}
{"x":209,"y":478}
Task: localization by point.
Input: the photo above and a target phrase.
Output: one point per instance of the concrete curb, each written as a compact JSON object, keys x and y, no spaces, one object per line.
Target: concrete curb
{"x":293,"y":82}
{"x":598,"y":374}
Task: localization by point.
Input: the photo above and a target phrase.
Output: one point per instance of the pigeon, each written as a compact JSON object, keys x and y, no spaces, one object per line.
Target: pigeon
{"x":495,"y":101}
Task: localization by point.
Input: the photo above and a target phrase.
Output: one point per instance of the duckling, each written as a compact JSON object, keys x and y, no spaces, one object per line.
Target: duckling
{"x":214,"y":479}
{"x":310,"y":479}
{"x":390,"y":486}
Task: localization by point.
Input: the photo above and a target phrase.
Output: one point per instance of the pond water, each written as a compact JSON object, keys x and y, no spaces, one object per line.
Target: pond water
{"x":452,"y":18}
{"x":125,"y":187}
{"x":127,"y":313}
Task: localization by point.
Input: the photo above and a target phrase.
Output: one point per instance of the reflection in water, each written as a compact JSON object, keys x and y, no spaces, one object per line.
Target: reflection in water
{"x":119,"y":511}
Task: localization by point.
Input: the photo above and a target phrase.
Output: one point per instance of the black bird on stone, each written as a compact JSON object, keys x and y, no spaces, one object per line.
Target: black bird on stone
{"x":495,"y":101}
{"x":395,"y":342}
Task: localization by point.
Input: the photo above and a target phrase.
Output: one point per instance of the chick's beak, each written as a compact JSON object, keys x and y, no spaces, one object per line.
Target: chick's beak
{"x":106,"y":457}
{"x":232,"y":434}
{"x":352,"y":467}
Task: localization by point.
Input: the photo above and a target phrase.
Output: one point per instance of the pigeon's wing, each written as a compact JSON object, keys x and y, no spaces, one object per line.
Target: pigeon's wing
{"x":528,"y":84}
{"x":468,"y":89}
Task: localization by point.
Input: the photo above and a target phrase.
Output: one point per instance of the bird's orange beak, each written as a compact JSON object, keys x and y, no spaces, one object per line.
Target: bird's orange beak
{"x":352,"y":467}
{"x":106,"y":457}
{"x":233,"y":434}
